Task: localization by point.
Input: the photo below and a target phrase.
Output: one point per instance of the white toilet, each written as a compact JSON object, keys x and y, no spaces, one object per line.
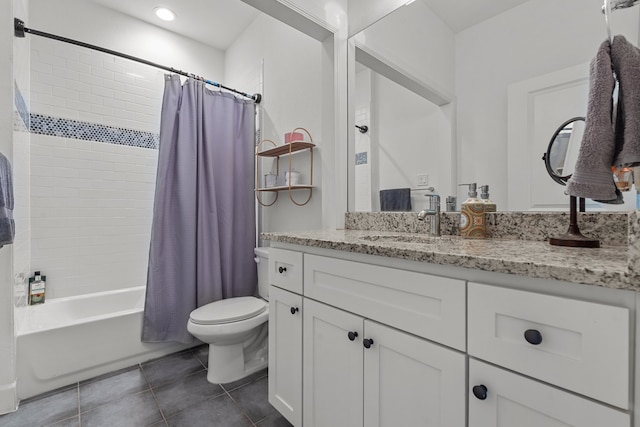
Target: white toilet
{"x":236,"y":330}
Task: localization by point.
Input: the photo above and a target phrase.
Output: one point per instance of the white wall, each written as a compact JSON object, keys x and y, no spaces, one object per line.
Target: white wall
{"x":91,"y":202}
{"x":407,"y":131}
{"x":533,"y":39}
{"x":292,"y":98}
{"x":415,"y":40}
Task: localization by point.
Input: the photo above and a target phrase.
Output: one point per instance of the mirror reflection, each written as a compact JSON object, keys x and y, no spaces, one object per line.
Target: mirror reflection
{"x":505,"y":73}
{"x":562,"y":153}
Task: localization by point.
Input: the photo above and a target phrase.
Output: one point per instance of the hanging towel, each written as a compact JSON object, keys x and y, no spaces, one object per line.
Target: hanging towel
{"x":7,"y":226}
{"x":626,"y":63}
{"x":592,"y":178}
{"x":396,"y":199}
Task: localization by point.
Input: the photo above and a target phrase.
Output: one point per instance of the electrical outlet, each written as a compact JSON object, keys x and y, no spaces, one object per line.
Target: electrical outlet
{"x":423,"y":180}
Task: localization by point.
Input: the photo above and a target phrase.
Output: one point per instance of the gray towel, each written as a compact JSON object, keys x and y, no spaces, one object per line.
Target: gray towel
{"x":626,"y":63}
{"x":7,"y":225}
{"x":396,"y":199}
{"x":593,"y":178}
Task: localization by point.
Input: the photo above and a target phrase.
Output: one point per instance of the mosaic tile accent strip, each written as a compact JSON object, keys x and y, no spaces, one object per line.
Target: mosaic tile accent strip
{"x":21,"y":106}
{"x":361,"y":158}
{"x":66,"y":128}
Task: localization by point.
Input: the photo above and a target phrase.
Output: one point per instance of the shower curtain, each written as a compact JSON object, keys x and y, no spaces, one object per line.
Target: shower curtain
{"x":203,"y":229}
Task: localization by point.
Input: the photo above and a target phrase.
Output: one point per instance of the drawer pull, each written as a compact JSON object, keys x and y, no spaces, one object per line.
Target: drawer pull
{"x":367,"y":342}
{"x":352,"y":335}
{"x":533,"y":336}
{"x":480,"y":392}
{"x":294,"y":310}
{"x":282,"y":269}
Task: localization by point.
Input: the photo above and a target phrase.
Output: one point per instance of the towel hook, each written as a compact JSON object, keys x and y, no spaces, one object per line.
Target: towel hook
{"x":606,"y":8}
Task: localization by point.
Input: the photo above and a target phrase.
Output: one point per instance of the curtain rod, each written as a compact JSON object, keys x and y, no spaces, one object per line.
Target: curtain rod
{"x":20,"y":30}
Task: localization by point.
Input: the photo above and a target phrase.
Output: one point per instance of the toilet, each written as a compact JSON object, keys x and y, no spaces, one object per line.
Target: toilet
{"x":236,"y":330}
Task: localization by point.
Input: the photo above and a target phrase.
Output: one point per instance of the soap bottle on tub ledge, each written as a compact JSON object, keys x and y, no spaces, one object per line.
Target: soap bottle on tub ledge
{"x":472,"y":219}
{"x":37,"y":285}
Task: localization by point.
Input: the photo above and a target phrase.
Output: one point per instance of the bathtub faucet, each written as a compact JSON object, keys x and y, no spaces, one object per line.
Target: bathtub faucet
{"x":434,"y":212}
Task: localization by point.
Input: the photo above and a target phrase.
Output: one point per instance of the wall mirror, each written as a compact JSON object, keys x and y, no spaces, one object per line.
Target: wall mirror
{"x":498,"y":77}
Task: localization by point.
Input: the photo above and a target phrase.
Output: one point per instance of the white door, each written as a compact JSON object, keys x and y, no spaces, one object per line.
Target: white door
{"x":409,"y":381}
{"x":285,"y":354}
{"x":332,"y":394}
{"x":501,"y":398}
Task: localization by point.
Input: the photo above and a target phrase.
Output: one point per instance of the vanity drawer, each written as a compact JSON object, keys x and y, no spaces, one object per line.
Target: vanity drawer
{"x":429,"y":306}
{"x":578,"y":345}
{"x":285,"y":269}
{"x":510,"y":399}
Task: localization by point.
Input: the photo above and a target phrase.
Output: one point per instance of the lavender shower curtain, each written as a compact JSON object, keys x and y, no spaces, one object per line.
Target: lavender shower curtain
{"x":203,"y":230}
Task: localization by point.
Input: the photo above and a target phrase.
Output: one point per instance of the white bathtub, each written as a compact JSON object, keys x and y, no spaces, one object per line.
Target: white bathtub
{"x":66,"y":340}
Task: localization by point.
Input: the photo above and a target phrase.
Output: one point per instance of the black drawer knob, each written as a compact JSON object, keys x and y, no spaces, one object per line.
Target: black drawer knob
{"x":533,"y":336}
{"x":352,"y":335}
{"x":480,"y":391}
{"x":294,"y":310}
{"x":282,"y":269}
{"x":367,"y":342}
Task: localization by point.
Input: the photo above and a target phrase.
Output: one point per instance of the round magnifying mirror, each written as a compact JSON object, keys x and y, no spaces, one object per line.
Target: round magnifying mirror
{"x":562,"y":153}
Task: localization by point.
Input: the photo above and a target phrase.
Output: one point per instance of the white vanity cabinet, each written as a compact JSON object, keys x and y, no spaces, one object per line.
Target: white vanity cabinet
{"x":398,"y":344}
{"x":285,"y":334}
{"x":564,"y":344}
{"x":361,"y":373}
{"x":501,"y":398}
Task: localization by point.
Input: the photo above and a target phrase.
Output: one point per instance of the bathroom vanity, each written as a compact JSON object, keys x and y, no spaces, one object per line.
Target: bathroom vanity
{"x":374,"y":328}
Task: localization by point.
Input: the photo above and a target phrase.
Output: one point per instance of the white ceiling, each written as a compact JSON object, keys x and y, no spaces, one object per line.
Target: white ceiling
{"x":462,"y":14}
{"x":216,"y":23}
{"x":219,"y":22}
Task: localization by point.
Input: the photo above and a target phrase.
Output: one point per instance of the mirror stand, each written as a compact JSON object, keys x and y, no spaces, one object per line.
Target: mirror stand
{"x":573,"y":237}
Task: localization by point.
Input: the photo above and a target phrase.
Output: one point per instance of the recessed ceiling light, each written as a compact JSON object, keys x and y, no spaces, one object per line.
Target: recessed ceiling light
{"x":165,"y":14}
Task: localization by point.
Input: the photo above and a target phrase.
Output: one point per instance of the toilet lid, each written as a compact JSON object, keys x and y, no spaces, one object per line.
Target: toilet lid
{"x":228,"y":310}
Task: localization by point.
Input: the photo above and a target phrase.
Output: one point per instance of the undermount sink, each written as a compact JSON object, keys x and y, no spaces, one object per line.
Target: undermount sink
{"x":399,"y":238}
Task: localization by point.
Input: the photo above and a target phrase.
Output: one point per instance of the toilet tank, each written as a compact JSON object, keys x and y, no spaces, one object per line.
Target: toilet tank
{"x":262,"y":259}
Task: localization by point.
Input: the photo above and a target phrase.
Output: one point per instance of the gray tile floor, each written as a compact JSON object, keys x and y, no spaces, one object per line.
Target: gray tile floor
{"x":170,"y":391}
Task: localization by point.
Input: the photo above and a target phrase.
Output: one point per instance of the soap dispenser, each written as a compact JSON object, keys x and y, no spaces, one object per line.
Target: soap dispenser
{"x":472,"y":220}
{"x":489,"y":206}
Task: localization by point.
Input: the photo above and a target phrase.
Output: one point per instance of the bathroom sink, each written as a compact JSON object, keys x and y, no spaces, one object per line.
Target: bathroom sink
{"x":399,"y":238}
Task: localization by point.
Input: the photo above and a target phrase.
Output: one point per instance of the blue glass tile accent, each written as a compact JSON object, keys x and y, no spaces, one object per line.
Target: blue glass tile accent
{"x":361,"y":158}
{"x":21,"y":105}
{"x":66,"y":128}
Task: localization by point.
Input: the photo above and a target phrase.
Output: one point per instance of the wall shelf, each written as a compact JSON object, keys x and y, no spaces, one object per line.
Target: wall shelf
{"x":284,"y":150}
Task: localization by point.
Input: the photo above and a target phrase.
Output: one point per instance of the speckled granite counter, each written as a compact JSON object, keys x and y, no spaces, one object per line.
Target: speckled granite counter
{"x":612,"y":266}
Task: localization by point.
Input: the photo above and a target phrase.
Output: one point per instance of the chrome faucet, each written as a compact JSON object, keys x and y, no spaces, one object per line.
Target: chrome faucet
{"x":434,"y":212}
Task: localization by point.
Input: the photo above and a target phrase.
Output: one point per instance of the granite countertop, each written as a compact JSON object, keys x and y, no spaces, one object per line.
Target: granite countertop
{"x":609,"y":266}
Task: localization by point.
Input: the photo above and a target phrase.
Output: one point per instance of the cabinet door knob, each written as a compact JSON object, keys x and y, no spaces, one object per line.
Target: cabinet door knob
{"x":282,"y":269}
{"x":367,"y":342}
{"x":480,"y":391}
{"x":533,"y":336}
{"x":352,"y":335}
{"x":294,"y":310}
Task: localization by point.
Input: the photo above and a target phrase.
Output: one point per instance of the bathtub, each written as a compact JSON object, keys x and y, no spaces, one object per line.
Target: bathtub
{"x":66,"y":340}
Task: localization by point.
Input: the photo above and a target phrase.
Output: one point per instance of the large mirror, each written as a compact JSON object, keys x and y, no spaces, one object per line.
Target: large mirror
{"x":457,"y":92}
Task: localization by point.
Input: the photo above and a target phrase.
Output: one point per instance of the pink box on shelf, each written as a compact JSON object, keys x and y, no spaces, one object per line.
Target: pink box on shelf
{"x":293,"y":136}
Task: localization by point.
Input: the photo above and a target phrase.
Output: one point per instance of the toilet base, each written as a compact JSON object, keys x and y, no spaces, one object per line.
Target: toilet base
{"x":228,"y":363}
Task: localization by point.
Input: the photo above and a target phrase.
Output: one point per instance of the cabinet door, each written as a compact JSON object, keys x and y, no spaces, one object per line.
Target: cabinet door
{"x":332,"y":367}
{"x":409,"y":381}
{"x":513,"y":400}
{"x":285,"y":354}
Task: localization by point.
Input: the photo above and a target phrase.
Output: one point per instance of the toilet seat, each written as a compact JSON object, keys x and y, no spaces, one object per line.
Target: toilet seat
{"x":228,"y":311}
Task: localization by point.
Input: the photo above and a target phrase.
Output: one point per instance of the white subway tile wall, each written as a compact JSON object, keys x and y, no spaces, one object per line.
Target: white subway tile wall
{"x":93,"y":166}
{"x":76,"y":83}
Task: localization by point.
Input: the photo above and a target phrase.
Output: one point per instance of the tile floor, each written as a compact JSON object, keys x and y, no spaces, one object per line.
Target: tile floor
{"x":170,"y":391}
